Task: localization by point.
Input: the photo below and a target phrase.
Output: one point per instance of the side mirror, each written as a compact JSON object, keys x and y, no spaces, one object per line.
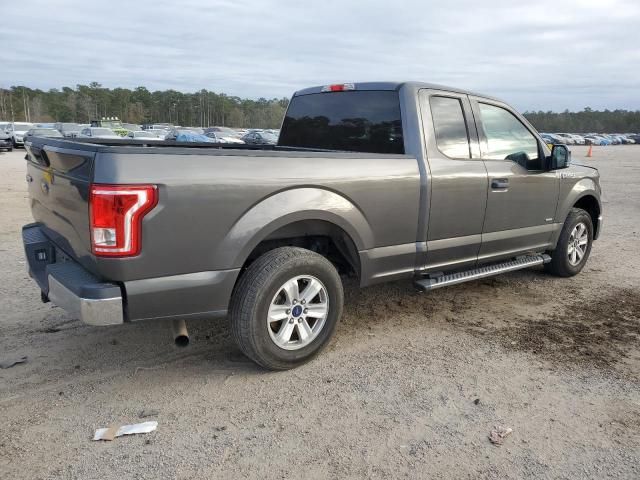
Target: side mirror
{"x":560,"y":157}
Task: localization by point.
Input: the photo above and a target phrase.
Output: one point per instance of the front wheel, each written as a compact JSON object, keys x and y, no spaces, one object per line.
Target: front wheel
{"x":574,"y":245}
{"x":285,"y":307}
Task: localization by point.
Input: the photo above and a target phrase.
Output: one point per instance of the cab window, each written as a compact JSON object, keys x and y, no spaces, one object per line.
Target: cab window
{"x":506,"y":138}
{"x":452,"y":137}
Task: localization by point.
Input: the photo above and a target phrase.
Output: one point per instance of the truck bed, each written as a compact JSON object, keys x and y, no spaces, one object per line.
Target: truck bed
{"x":127,"y":145}
{"x":216,"y":203}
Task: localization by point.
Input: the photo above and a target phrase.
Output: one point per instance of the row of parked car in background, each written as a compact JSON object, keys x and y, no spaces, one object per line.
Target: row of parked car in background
{"x":591,"y":138}
{"x":14,"y":134}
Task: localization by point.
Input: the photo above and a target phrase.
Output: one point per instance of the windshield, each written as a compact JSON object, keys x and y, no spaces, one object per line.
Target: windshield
{"x":359,"y":121}
{"x":269,"y":136}
{"x":225,"y":131}
{"x":22,"y":126}
{"x":70,"y":127}
{"x":48,"y":132}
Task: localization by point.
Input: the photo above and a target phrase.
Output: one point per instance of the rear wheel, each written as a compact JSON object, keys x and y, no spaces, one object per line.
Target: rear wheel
{"x":285,"y":307}
{"x":574,"y":245}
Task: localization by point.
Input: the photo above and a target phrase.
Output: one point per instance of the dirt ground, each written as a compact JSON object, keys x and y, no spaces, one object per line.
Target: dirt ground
{"x":410,"y":387}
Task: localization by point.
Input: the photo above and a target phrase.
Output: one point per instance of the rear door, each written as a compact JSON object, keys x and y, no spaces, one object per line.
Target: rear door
{"x":457,"y":180}
{"x":522,"y":196}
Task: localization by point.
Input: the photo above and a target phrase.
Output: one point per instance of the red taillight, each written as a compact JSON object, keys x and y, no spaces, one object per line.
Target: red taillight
{"x":115,"y":215}
{"x":338,"y":87}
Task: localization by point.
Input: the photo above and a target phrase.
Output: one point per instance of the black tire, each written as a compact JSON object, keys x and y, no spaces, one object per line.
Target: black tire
{"x":560,"y":264}
{"x":255,"y":292}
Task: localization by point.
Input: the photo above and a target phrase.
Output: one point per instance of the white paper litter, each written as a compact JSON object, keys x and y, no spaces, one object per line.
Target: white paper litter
{"x":112,"y":432}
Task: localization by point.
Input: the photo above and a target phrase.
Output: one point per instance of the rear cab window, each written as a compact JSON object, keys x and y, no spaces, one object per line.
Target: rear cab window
{"x":357,"y":121}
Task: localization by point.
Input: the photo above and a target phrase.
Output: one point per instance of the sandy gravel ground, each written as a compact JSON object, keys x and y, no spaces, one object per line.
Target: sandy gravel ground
{"x":410,"y":387}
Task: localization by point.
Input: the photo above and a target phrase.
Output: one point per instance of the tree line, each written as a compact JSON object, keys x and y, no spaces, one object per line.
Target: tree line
{"x":88,"y":102}
{"x":586,"y":121}
{"x":205,"y":108}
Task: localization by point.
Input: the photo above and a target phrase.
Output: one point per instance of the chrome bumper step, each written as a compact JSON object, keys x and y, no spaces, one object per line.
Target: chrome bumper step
{"x":482,"y":272}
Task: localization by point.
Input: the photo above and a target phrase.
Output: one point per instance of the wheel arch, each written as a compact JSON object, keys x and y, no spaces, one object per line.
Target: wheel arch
{"x":582,"y":193}
{"x":591,"y":205}
{"x":298,"y":217}
{"x":320,"y":236}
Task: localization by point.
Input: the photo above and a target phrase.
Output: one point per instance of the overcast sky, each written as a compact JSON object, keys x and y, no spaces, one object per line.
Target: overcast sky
{"x":542,"y":54}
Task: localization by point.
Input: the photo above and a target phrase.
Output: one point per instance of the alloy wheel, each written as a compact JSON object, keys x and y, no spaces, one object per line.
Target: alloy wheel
{"x":298,"y":312}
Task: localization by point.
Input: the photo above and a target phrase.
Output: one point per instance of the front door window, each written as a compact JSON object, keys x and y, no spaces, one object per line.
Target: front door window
{"x":507,"y":138}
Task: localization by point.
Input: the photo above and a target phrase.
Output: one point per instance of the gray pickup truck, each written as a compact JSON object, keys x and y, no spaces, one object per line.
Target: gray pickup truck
{"x":379,"y":181}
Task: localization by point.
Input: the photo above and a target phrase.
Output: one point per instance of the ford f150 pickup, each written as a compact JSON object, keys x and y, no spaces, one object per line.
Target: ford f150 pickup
{"x":380,"y":181}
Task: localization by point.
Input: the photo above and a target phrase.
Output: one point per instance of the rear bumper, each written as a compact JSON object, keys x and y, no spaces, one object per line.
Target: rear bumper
{"x":69,"y":285}
{"x":92,"y":311}
{"x":96,"y":302}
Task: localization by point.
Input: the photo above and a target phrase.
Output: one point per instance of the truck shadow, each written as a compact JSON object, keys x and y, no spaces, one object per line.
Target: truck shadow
{"x":511,"y":310}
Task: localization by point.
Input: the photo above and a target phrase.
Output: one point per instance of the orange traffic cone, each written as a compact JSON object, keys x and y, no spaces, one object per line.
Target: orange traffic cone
{"x":590,"y":152}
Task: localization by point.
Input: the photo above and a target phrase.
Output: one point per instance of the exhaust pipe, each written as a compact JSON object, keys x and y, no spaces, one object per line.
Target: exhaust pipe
{"x":180,"y":334}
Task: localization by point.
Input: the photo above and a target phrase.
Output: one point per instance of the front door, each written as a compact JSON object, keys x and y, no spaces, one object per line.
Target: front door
{"x":457,"y":181}
{"x":522,"y":196}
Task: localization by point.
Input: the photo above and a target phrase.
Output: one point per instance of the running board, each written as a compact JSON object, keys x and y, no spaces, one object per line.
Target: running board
{"x":482,"y":272}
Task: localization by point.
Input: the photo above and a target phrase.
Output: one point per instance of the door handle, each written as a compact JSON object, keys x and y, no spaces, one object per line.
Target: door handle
{"x":500,"y":183}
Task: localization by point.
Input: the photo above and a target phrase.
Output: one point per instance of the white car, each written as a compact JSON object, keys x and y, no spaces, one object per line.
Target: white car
{"x":225,"y":139}
{"x":98,"y":132}
{"x":161,"y":133}
{"x":568,"y":138}
{"x":144,"y":135}
{"x":579,"y":139}
{"x":17,"y":130}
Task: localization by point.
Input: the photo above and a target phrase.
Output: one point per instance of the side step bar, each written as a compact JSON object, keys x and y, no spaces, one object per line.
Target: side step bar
{"x":482,"y":272}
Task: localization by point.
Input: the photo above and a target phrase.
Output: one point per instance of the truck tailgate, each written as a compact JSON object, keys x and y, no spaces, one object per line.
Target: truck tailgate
{"x":58,"y":181}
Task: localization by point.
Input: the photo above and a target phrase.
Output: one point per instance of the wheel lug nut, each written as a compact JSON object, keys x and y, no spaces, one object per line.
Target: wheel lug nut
{"x":306,"y":310}
{"x":288,"y":311}
{"x":303,"y":301}
{"x":291,"y":320}
{"x":295,"y":301}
